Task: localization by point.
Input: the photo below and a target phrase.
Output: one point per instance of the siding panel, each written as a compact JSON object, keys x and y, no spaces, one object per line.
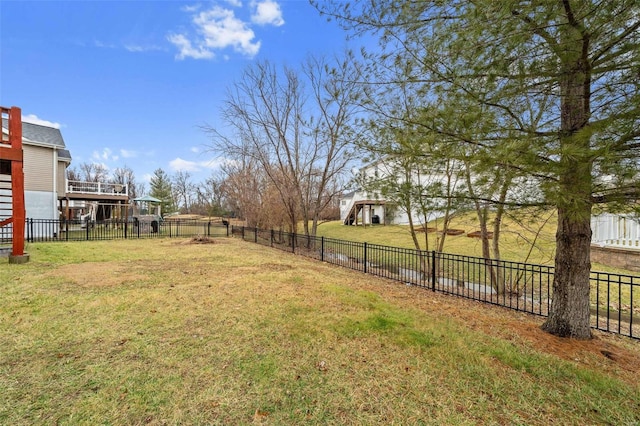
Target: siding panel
{"x":38,"y":168}
{"x":60,"y":182}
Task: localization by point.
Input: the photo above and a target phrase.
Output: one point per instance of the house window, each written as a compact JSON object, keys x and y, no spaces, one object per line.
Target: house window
{"x":344,"y":202}
{"x":5,"y":167}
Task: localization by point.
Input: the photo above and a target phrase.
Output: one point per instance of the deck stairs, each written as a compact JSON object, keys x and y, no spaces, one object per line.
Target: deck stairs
{"x":355,"y":209}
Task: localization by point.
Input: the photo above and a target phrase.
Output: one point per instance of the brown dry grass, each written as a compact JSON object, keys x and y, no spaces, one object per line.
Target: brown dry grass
{"x":171,"y":332}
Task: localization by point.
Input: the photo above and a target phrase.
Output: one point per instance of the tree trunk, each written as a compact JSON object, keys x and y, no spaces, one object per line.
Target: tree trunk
{"x":482,"y":213}
{"x":570,"y":314}
{"x":497,"y":227}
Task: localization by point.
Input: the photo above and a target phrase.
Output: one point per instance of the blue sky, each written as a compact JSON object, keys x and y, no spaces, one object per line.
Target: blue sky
{"x":130,"y":82}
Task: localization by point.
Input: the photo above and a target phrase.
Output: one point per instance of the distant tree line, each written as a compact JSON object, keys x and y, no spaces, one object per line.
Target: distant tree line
{"x":227,"y":194}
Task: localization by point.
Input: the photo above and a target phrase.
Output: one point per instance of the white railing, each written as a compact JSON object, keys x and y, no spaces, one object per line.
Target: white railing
{"x":79,"y":187}
{"x":612,"y":230}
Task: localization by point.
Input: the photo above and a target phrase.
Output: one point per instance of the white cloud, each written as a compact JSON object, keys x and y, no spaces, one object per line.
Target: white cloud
{"x":218,"y":28}
{"x":221,"y":29}
{"x":33,"y":119}
{"x":179,"y":164}
{"x":191,"y":8}
{"x":194,"y":149}
{"x":105,"y":155}
{"x":140,"y":48}
{"x":126,"y":153}
{"x":130,"y":47}
{"x":103,"y":45}
{"x":266,"y":12}
{"x":183,"y":165}
{"x":186,"y":49}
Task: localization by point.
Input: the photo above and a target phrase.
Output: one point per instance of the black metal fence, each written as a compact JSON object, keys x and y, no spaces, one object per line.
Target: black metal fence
{"x":76,"y":230}
{"x":514,"y":285}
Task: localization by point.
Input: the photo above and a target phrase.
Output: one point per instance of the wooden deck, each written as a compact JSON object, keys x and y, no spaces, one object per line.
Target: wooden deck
{"x":352,"y":217}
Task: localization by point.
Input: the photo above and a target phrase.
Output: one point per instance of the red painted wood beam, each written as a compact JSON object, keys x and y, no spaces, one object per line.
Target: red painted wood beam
{"x":10,"y":154}
{"x":17,"y":181}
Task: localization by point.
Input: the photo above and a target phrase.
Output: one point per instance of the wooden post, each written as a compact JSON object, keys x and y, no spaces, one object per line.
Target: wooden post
{"x":14,"y":154}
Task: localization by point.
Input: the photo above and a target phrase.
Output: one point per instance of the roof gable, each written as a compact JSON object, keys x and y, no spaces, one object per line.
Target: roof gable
{"x":41,"y":135}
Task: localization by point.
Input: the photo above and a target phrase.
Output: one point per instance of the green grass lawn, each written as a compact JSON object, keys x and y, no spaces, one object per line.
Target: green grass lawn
{"x":168,"y":332}
{"x":525,"y":238}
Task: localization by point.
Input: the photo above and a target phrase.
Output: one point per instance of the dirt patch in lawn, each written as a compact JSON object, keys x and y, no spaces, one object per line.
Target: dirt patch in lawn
{"x":97,"y":274}
{"x":199,"y":239}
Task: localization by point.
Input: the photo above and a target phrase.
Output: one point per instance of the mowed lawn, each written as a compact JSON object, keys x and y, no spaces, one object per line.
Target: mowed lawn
{"x":172,"y":332}
{"x":526,"y":236}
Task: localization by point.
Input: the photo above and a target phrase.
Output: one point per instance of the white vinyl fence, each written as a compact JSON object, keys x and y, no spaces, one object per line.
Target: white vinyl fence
{"x":610,"y":230}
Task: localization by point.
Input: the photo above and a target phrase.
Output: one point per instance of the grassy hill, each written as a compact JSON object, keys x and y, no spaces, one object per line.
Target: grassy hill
{"x":525,"y":238}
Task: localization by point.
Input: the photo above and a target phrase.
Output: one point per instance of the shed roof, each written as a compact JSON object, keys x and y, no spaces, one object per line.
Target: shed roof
{"x":148,"y":198}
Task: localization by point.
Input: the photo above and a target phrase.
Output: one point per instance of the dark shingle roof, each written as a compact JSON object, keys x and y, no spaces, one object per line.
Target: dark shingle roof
{"x":40,"y":134}
{"x":64,"y":155}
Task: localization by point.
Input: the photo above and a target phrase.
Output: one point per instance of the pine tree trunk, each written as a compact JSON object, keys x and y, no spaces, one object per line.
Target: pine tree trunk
{"x":570,"y":314}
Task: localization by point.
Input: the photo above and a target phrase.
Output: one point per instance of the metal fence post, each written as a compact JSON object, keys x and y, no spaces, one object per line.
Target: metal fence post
{"x":243,"y":232}
{"x":293,"y":242}
{"x":255,"y":235}
{"x":271,"y":241}
{"x":433,"y":270}
{"x":322,"y":249}
{"x":87,"y":228}
{"x":365,"y":257}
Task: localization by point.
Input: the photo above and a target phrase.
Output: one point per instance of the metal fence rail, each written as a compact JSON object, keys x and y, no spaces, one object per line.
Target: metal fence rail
{"x":519,"y":286}
{"x":77,"y":230}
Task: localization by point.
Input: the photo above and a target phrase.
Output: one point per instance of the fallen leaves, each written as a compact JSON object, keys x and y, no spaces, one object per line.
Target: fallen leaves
{"x":260,"y":416}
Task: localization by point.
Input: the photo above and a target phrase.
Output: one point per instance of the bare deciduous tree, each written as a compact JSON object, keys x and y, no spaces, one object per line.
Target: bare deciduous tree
{"x":126,"y":176}
{"x":299,"y":139}
{"x":184,"y":191}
